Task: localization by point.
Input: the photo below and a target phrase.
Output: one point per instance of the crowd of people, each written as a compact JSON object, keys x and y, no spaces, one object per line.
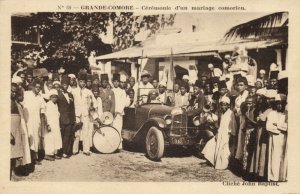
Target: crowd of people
{"x":244,"y":114}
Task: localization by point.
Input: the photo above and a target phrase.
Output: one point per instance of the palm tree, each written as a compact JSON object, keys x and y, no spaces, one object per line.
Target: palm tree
{"x":263,"y":26}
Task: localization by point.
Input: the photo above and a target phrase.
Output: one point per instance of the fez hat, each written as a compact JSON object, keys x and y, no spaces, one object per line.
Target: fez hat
{"x":282,"y":86}
{"x":214,"y":80}
{"x":274,"y":74}
{"x":116,"y":76}
{"x":95,"y":76}
{"x":29,"y":71}
{"x":95,"y":87}
{"x":237,"y":76}
{"x":55,"y":76}
{"x":37,"y":81}
{"x":222,"y":84}
{"x":242,"y":79}
{"x":198,"y":83}
{"x":178,"y":81}
{"x":89,"y":77}
{"x":82,"y":76}
{"x":65,"y":80}
{"x":104,"y":76}
{"x":184,"y":84}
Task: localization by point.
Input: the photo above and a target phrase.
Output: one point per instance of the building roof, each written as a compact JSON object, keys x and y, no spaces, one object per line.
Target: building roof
{"x":188,"y":49}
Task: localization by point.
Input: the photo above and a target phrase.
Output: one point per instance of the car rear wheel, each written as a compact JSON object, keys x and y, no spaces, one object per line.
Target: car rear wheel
{"x":155,"y":144}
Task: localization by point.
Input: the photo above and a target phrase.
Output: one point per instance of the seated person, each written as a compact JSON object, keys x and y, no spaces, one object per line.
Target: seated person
{"x":153,"y":97}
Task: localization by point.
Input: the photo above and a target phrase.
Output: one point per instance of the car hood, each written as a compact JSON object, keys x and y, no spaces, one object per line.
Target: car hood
{"x":157,"y":110}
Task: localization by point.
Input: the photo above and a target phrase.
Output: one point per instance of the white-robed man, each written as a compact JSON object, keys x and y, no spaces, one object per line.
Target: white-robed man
{"x":52,"y":137}
{"x":145,"y":86}
{"x":217,"y":150}
{"x":121,"y":101}
{"x":277,"y":127}
{"x":34,"y":109}
{"x":84,"y":101}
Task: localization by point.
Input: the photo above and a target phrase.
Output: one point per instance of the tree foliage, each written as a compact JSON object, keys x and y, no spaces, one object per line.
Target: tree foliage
{"x":67,"y":38}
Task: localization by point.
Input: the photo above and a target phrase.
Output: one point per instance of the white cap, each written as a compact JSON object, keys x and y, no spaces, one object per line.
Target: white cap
{"x":56,"y":82}
{"x":225,"y":99}
{"x":61,"y":70}
{"x":123,"y":78}
{"x":53,"y":92}
{"x":210,"y":65}
{"x":262,"y":71}
{"x":186,"y":77}
{"x":162,"y":84}
{"x":16,"y":79}
{"x":273,"y":67}
{"x":71,"y":76}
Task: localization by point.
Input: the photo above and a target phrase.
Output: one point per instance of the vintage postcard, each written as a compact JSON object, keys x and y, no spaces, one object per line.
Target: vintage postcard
{"x":149,"y":97}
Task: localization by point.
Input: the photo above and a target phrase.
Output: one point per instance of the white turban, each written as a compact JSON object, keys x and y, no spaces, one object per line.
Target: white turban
{"x":186,"y":77}
{"x":225,"y":99}
{"x":56,"y":82}
{"x":123,"y":78}
{"x":53,"y":92}
{"x":262,"y":71}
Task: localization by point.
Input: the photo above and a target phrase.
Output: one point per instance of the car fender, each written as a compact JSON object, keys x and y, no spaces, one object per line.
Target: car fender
{"x":142,"y":132}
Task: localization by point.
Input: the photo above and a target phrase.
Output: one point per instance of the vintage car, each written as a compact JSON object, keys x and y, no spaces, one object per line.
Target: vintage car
{"x":157,"y":126}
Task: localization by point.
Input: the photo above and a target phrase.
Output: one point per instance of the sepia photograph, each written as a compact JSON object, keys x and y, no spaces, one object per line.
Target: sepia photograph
{"x":140,"y":97}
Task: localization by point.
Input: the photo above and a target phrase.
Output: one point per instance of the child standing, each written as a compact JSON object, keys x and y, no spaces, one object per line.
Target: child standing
{"x":52,"y":137}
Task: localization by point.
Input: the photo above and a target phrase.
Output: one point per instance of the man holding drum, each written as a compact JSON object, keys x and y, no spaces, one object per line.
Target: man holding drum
{"x":84,"y":100}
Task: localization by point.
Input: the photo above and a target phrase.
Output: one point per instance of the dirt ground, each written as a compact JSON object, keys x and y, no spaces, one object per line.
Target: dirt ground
{"x":128,"y":166}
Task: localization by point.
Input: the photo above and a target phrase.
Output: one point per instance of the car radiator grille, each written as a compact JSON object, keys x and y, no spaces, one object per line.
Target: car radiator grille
{"x":179,"y":125}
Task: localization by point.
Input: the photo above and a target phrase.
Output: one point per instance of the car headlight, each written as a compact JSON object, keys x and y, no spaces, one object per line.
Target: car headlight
{"x":168,"y":119}
{"x":196,"y":121}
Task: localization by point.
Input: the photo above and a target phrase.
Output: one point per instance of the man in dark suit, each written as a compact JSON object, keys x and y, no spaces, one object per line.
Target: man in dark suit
{"x":107,"y":95}
{"x":66,"y":109}
{"x":197,"y":101}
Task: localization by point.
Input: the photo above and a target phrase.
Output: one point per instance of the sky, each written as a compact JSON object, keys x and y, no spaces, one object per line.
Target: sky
{"x":213,"y":26}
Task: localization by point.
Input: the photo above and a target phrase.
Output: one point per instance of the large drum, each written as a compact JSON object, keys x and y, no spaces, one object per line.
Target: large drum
{"x":106,"y":139}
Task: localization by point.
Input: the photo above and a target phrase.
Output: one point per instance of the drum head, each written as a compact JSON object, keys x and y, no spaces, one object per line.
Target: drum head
{"x":106,"y":118}
{"x":106,"y":139}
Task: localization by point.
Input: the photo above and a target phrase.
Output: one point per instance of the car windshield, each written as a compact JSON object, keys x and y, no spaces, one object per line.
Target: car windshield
{"x":154,"y":96}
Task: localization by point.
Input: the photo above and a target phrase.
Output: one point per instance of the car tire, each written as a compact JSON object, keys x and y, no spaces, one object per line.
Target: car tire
{"x":155,"y":144}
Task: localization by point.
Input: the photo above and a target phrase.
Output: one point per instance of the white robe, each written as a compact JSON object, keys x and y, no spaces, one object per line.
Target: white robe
{"x":34,"y":105}
{"x":227,"y":126}
{"x":277,"y":143}
{"x":52,"y":139}
{"x":216,"y":151}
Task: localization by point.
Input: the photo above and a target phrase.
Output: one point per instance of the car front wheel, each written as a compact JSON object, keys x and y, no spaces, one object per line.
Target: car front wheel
{"x":155,"y":144}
